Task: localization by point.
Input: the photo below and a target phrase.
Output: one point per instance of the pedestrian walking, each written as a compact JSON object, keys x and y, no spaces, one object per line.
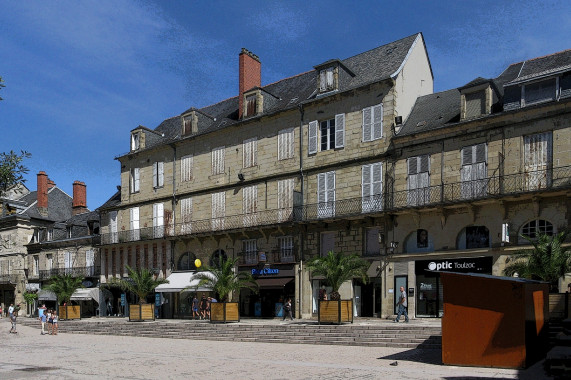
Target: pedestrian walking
{"x":11,"y":310}
{"x":1,"y":316}
{"x":195,"y":314}
{"x":54,"y":323}
{"x":203,"y":307}
{"x":49,"y":317}
{"x":13,"y":317}
{"x":43,"y":319}
{"x":403,"y":305}
{"x":287,"y":310}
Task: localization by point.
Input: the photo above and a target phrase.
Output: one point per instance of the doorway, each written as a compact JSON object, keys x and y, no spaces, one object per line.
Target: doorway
{"x":399,"y":281}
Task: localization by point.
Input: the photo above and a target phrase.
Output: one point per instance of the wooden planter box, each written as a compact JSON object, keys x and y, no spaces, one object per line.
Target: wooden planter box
{"x":335,"y":311}
{"x":142,"y":312}
{"x":70,"y":312}
{"x":222,"y":312}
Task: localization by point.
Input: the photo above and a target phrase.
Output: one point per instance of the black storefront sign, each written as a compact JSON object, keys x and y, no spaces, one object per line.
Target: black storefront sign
{"x":460,"y":265}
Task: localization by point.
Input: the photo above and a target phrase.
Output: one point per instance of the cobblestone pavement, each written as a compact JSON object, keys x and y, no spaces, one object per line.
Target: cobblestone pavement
{"x":29,"y":355}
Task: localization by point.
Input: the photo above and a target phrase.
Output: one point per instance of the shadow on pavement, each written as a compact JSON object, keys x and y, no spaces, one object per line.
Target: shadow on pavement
{"x":419,"y":355}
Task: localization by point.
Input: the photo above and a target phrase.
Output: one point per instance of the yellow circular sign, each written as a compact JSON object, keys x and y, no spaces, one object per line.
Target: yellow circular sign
{"x":197,"y":263}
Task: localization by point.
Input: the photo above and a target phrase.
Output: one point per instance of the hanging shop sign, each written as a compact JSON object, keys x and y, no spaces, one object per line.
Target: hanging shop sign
{"x":461,"y":265}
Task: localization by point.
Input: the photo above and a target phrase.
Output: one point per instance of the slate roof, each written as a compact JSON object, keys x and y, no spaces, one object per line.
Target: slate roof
{"x":115,"y":200}
{"x":441,"y":109}
{"x":59,"y":205}
{"x":371,"y":66}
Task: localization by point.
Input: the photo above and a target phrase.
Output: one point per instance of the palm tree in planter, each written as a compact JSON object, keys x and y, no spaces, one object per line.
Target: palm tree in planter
{"x":64,"y":286}
{"x":338,"y":268}
{"x":223,"y":280}
{"x":140,"y":282}
{"x":547,"y":261}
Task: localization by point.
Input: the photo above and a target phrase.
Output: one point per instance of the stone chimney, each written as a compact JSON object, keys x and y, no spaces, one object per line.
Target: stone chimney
{"x":42,"y":193}
{"x":79,"y":198}
{"x":250,"y":69}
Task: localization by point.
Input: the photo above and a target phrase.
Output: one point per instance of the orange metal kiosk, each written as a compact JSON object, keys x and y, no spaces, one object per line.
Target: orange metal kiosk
{"x":493,"y":321}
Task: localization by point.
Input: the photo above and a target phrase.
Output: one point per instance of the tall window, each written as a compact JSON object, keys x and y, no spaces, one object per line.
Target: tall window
{"x":134,"y":224}
{"x":158,"y":220}
{"x":218,"y":160}
{"x":537,"y":160}
{"x":326,"y":82}
{"x":372,"y":187}
{"x":158,"y":174}
{"x":418,"y":180}
{"x":326,"y":194}
{"x":36,"y":265}
{"x":187,"y":125}
{"x":373,"y":246}
{"x":286,"y":249}
{"x":250,"y":148}
{"x":113,"y":227}
{"x":186,"y":168}
{"x":473,"y":173}
{"x":134,"y":177}
{"x":186,"y":215}
{"x":218,"y":210}
{"x":250,"y":205}
{"x":373,"y":123}
{"x":538,"y":226}
{"x":285,"y":144}
{"x":49,"y":263}
{"x":90,"y":262}
{"x":135,"y":141}
{"x":285,"y":199}
{"x":327,"y":243}
{"x":250,"y":105}
{"x":329,"y":133}
{"x":68,"y":263}
{"x":250,"y":251}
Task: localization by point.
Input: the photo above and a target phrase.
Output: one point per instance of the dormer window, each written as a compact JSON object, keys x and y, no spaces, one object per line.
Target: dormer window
{"x":189,"y":124}
{"x":253,"y":103}
{"x":477,"y":98}
{"x":135,"y":141}
{"x":250,"y":105}
{"x":326,"y":80}
{"x":475,"y":104}
{"x":539,"y":92}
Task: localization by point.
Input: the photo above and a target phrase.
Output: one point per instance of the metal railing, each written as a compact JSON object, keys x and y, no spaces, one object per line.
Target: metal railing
{"x":448,"y":193}
{"x":75,"y":272}
{"x":273,"y":257}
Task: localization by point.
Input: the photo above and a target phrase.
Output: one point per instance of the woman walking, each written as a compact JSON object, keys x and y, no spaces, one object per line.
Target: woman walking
{"x":54,"y":322}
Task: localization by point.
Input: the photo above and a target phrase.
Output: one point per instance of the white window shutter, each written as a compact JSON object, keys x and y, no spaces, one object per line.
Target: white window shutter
{"x":377,"y":128}
{"x":155,"y":177}
{"x":340,"y":130}
{"x":367,"y":125}
{"x":467,"y":155}
{"x":134,"y":218}
{"x":186,"y":168}
{"x":366,"y":181}
{"x":330,"y":186}
{"x":312,"y":143}
{"x":377,"y":178}
{"x":113,"y":221}
{"x":412,"y":165}
{"x":161,"y":179}
{"x":321,"y":189}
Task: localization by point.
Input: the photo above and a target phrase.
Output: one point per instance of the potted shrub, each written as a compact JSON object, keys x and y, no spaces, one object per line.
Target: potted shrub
{"x":337,"y":268}
{"x":223,"y":281}
{"x":64,"y":286}
{"x":140,"y":282}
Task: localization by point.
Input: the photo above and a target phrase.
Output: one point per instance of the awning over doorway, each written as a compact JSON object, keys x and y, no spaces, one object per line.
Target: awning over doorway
{"x":86,"y":294}
{"x":46,"y":295}
{"x":273,"y":283}
{"x":182,"y":281}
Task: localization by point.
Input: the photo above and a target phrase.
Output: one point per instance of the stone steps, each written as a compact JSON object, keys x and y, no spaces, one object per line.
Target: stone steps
{"x":398,"y":336}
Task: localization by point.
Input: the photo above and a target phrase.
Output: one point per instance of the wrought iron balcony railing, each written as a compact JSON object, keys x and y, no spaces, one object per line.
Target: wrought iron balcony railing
{"x":92,"y":271}
{"x":448,"y":193}
{"x":273,"y":257}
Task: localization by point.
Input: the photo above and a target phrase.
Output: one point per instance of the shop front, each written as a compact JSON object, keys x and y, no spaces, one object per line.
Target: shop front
{"x":429,"y":291}
{"x":276,"y":284}
{"x":174,"y":299}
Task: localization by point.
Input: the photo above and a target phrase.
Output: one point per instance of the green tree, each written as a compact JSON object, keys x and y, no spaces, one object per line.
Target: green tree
{"x":64,"y":286}
{"x":547,"y":261}
{"x":338,"y":268}
{"x":223,"y":280}
{"x":141,"y":282}
{"x":11,"y":169}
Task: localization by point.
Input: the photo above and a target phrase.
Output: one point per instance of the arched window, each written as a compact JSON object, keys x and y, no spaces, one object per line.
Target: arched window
{"x":535,"y":227}
{"x":215,"y":258}
{"x":418,"y":241}
{"x":186,"y":261}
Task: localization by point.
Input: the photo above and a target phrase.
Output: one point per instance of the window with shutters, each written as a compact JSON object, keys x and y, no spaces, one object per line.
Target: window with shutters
{"x":49,"y":264}
{"x":158,"y":220}
{"x":286,"y":249}
{"x":538,"y":92}
{"x":50,"y":234}
{"x":186,"y":163}
{"x":418,"y":180}
{"x":218,"y":160}
{"x":113,"y":230}
{"x":218,"y":210}
{"x":373,"y":123}
{"x":285,"y":144}
{"x":326,"y":79}
{"x":250,"y":251}
{"x":250,"y":105}
{"x":285,"y":200}
{"x":67,"y":262}
{"x":535,"y":227}
{"x":373,"y":246}
{"x":475,"y":104}
{"x":134,"y":179}
{"x":135,"y":141}
{"x":327,"y":243}
{"x":135,"y":233}
{"x":36,"y":267}
{"x":537,"y":160}
{"x":372,"y":187}
{"x":250,"y":148}
{"x":473,"y":173}
{"x":90,"y":262}
{"x":186,"y":215}
{"x":329,"y":133}
{"x":187,"y":125}
{"x":326,"y":195}
{"x":158,"y":174}
{"x":250,"y":205}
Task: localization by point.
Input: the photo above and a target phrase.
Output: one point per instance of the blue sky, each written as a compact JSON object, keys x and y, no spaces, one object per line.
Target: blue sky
{"x":80,"y":75}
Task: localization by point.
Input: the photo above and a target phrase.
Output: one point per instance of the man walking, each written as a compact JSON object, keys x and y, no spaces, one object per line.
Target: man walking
{"x":13,"y":316}
{"x":403,"y":304}
{"x":11,"y":310}
{"x":43,"y":319}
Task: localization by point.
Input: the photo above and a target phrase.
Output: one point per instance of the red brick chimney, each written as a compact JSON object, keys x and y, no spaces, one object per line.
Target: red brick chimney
{"x":79,"y":198}
{"x":42,"y":193}
{"x":51,"y":184}
{"x":250,"y":75}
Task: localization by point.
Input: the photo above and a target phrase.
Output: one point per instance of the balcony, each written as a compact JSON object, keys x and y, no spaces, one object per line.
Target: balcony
{"x":92,"y":271}
{"x":448,"y":193}
{"x":285,"y":256}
